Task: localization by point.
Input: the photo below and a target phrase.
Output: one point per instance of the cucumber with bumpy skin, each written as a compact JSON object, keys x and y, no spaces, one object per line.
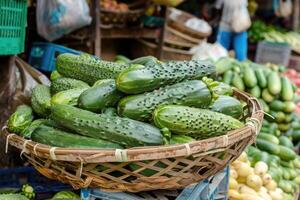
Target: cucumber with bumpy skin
{"x":69,"y":97}
{"x":140,"y":79}
{"x":41,"y":100}
{"x":194,"y":122}
{"x":123,"y":131}
{"x":228,"y":106}
{"x":223,"y":89}
{"x":20,"y":119}
{"x":63,"y":83}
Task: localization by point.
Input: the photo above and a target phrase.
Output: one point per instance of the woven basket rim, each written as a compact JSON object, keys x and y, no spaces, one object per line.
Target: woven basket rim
{"x":143,"y":153}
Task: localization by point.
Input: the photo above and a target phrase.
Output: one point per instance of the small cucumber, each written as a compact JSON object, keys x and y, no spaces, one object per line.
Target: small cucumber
{"x":284,"y":127}
{"x":286,"y":153}
{"x":289,"y":106}
{"x":264,"y":105}
{"x":228,"y":76}
{"x":296,"y":135}
{"x":280,"y":117}
{"x":67,"y":97}
{"x":274,"y":83}
{"x":261,"y":78}
{"x":20,"y":119}
{"x":222,"y":89}
{"x":255,"y":91}
{"x":267,"y":96}
{"x":249,"y":77}
{"x":238,"y":82}
{"x":224,"y":64}
{"x":285,"y":141}
{"x":268,"y":137}
{"x":268,"y":146}
{"x":277,"y":105}
{"x":287,"y":93}
{"x":228,"y":106}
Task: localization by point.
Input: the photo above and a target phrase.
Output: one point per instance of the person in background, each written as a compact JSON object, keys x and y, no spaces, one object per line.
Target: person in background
{"x":227,"y":37}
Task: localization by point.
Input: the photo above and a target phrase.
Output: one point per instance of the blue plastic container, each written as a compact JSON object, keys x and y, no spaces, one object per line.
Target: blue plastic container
{"x":213,"y":188}
{"x":43,"y":55}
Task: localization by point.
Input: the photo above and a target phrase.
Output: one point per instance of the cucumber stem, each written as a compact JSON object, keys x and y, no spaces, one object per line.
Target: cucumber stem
{"x":166,"y":134}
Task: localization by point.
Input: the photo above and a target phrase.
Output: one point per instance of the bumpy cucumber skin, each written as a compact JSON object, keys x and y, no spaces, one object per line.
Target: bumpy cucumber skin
{"x":63,"y":83}
{"x":223,"y":89}
{"x":41,"y":100}
{"x":139,"y":78}
{"x":26,"y":133}
{"x":194,"y":122}
{"x":87,"y":68}
{"x":193,"y":93}
{"x":55,"y":137}
{"x":123,"y":131}
{"x":228,"y":106}
{"x":101,"y":95}
{"x":20,"y":119}
{"x":69,"y":97}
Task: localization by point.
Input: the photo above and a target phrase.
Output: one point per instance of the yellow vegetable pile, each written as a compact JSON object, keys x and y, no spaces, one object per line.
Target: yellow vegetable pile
{"x":252,"y":183}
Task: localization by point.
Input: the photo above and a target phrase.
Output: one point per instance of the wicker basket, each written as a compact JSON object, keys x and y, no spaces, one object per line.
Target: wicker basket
{"x":149,"y":48}
{"x":172,"y":166}
{"x":177,"y":21}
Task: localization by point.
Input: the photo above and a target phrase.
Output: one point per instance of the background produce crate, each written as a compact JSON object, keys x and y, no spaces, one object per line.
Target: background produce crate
{"x":16,"y":177}
{"x":276,"y":53}
{"x":214,"y":188}
{"x":13,"y":17}
{"x":43,"y":55}
{"x":294,"y":62}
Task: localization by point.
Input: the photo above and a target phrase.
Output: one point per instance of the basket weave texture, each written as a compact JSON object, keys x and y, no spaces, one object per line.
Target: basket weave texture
{"x":170,"y":166}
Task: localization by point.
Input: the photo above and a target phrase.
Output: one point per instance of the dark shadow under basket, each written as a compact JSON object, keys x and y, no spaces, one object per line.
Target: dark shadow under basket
{"x":144,"y":168}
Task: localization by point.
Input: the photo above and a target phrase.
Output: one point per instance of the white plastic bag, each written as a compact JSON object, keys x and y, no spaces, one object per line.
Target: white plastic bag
{"x":241,"y":20}
{"x":58,"y":17}
{"x":208,"y":51}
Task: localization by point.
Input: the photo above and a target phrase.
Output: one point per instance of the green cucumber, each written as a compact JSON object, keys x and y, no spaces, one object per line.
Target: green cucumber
{"x":286,"y":153}
{"x":20,"y":119}
{"x":289,"y":106}
{"x":284,"y":127}
{"x":267,"y":96}
{"x":145,"y":60}
{"x":87,"y":68}
{"x":224,"y":64}
{"x":296,"y":135}
{"x":181,"y":139}
{"x":251,"y":150}
{"x":63,"y":83}
{"x":268,"y":137}
{"x":249,"y":77}
{"x":280,"y":117}
{"x":261,"y":78}
{"x":273,"y":160}
{"x":68,"y":97}
{"x":260,"y":156}
{"x":123,"y":131}
{"x":122,"y":58}
{"x":223,"y":89}
{"x":26,"y":133}
{"x":111,"y":111}
{"x":228,"y":76}
{"x":287,"y":92}
{"x":255,"y":91}
{"x":267,"y":146}
{"x":193,"y":93}
{"x":228,"y":106}
{"x":194,"y":122}
{"x":139,"y":78}
{"x":274,"y":174}
{"x":274,"y":83}
{"x":285,"y":141}
{"x":103,"y":94}
{"x":57,"y":138}
{"x":238,"y":82}
{"x":41,"y":100}
{"x":277,"y":105}
{"x":264,"y":105}
{"x":54,"y":75}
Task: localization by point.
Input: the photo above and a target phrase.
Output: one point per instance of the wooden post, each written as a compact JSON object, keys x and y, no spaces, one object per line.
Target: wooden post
{"x":296,"y":15}
{"x":97,"y":29}
{"x":162,"y":33}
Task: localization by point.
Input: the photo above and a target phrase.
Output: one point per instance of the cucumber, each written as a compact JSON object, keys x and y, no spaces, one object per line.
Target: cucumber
{"x":285,"y":141}
{"x":57,"y":138}
{"x":261,"y":78}
{"x":238,"y":82}
{"x":145,"y":60}
{"x":264,"y":105}
{"x":280,"y":117}
{"x":63,"y":83}
{"x":122,"y":58}
{"x":267,"y":96}
{"x":274,"y":83}
{"x":20,"y":119}
{"x":249,"y":77}
{"x":296,"y":135}
{"x":267,"y":146}
{"x":181,"y":139}
{"x":273,"y":160}
{"x":103,"y":94}
{"x":289,"y":106}
{"x":193,"y":93}
{"x":283,"y":127}
{"x":277,"y":105}
{"x":255,"y":91}
{"x":123,"y":131}
{"x":140,"y":79}
{"x":222,"y":89}
{"x":268,"y":137}
{"x":274,"y":174}
{"x":41,"y":100}
{"x":224,"y":64}
{"x":194,"y":122}
{"x":68,"y":97}
{"x":54,"y":75}
{"x":87,"y":68}
{"x":228,"y":106}
{"x":228,"y":76}
{"x":286,"y":153}
{"x":27,"y":132}
{"x":260,"y":156}
{"x":110,"y":111}
{"x":287,"y":92}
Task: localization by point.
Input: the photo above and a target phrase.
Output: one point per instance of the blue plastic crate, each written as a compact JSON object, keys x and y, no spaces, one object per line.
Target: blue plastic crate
{"x":43,"y":55}
{"x":213,"y":188}
{"x":16,"y":177}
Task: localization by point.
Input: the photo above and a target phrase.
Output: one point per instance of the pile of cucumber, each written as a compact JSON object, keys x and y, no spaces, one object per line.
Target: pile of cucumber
{"x":127,"y":103}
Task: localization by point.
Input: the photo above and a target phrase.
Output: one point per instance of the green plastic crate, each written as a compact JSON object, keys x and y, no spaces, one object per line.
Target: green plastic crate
{"x":13,"y":19}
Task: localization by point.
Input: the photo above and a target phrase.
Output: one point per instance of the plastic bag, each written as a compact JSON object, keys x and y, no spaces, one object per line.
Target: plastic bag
{"x":208,"y":51}
{"x":241,"y":20}
{"x":58,"y":17}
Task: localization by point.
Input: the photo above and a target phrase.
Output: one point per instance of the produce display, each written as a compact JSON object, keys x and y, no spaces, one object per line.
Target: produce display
{"x":25,"y":193}
{"x":93,"y":103}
